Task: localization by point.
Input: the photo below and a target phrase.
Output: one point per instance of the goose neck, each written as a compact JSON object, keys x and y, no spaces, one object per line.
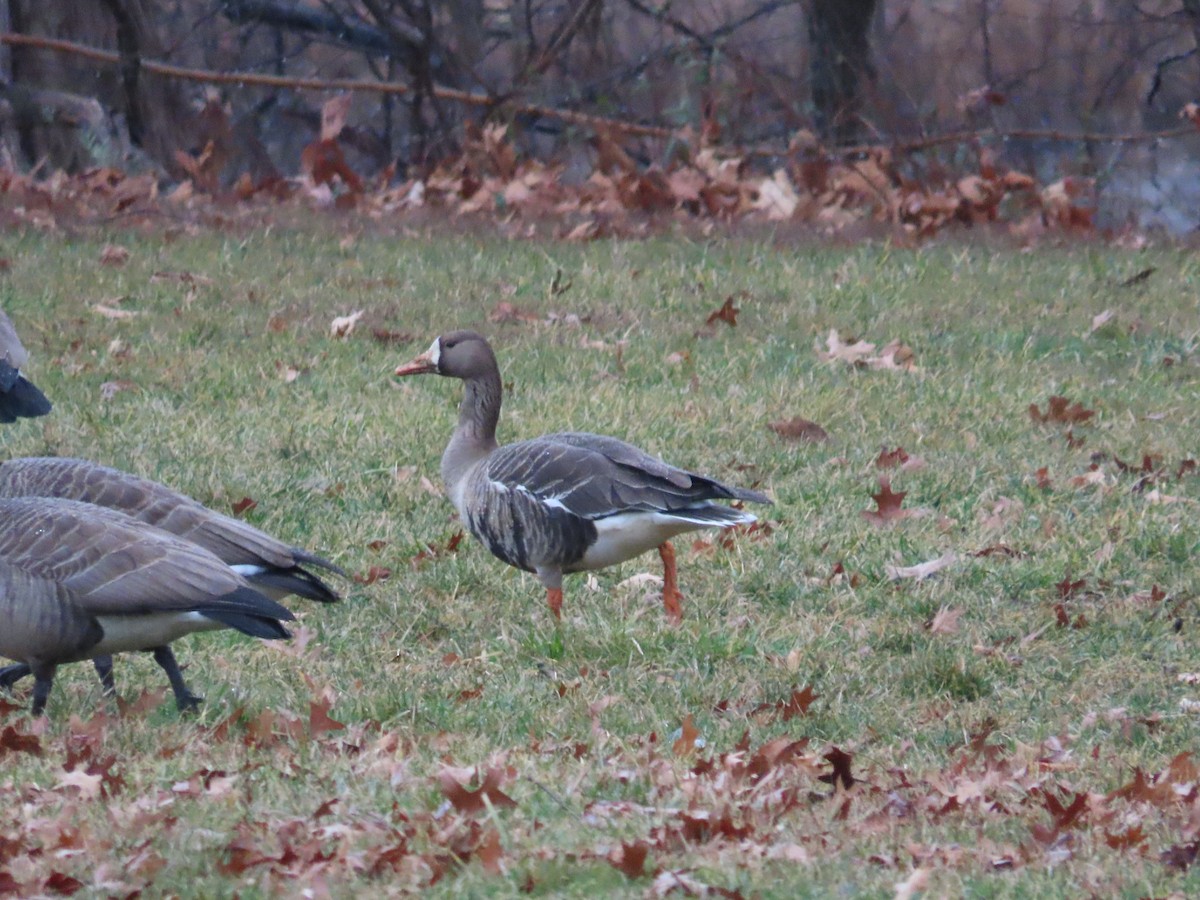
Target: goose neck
{"x":480,"y":409}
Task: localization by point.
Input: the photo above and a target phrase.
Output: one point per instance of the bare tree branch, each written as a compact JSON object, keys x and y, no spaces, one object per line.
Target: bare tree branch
{"x":564,"y":35}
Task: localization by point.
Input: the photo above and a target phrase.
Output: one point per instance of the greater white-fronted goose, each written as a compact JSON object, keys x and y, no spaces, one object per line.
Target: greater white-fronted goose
{"x":271,"y":566}
{"x":19,"y":397}
{"x":79,"y":581}
{"x":565,"y":502}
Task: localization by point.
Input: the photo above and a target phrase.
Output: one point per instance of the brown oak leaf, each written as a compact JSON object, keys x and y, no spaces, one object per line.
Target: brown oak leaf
{"x":799,"y":429}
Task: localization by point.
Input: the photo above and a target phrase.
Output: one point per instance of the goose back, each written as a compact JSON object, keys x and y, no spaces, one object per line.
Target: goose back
{"x":115,"y":565}
{"x":270,"y":563}
{"x":595,"y":476}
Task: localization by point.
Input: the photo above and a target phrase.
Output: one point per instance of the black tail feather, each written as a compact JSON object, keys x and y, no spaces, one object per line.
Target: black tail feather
{"x":22,"y":401}
{"x":248,"y":611}
{"x":294,"y":581}
{"x":247,"y":623}
{"x":311,"y":559}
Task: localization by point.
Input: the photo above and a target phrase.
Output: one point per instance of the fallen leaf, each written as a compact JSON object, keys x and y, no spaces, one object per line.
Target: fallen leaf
{"x":111,"y":312}
{"x":1157,"y":496}
{"x":641,"y":579}
{"x":999,"y":550}
{"x":1067,"y":587}
{"x":189,"y":278}
{"x":323,"y":165}
{"x":894,"y":355}
{"x":13,"y":741}
{"x":1061,"y":410}
{"x":387,"y":337}
{"x":777,"y":197}
{"x":374,"y":574}
{"x":244,"y":505}
{"x":839,"y":351}
{"x":840,"y":761}
{"x":630,"y":858}
{"x":319,"y":721}
{"x":110,"y":389}
{"x":945,"y":621}
{"x":87,"y":784}
{"x":914,"y":884}
{"x":728,"y":314}
{"x":1100,"y":320}
{"x":343,"y":325}
{"x":679,"y":882}
{"x":888,"y":503}
{"x":454,"y":781}
{"x":890,"y":459}
{"x":923,"y":570}
{"x":686,"y":742}
{"x":63,"y":884}
{"x":797,"y":705}
{"x":799,"y":429}
{"x":507,"y":312}
{"x":333,"y":115}
{"x":114,"y":255}
{"x":1138,"y":278}
{"x":1094,"y":477}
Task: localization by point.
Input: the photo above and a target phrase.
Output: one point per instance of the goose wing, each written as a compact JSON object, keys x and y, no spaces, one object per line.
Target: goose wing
{"x":595,"y":477}
{"x":233,"y":541}
{"x":110,"y":564}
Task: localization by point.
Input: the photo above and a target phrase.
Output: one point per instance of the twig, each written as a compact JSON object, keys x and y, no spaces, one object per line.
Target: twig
{"x":572,"y":116}
{"x":336,"y":84}
{"x":560,"y":41}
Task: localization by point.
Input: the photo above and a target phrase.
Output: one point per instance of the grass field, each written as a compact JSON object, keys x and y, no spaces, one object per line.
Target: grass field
{"x":1012,"y":725}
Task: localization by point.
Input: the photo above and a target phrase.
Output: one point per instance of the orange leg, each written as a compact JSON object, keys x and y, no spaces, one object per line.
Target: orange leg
{"x":554,"y":598}
{"x":672,"y":599}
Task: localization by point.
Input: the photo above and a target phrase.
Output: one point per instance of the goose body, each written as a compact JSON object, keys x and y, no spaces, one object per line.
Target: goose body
{"x":565,"y":502}
{"x":19,"y":397}
{"x":78,"y":582}
{"x":271,"y":566}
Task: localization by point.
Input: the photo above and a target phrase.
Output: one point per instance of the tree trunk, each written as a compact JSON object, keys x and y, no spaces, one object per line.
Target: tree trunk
{"x":152,"y":108}
{"x":841,"y":56}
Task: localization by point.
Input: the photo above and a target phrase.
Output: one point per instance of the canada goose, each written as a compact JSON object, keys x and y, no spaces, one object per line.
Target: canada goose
{"x":564,"y":502}
{"x":78,"y":581}
{"x":271,"y":566}
{"x":19,"y":398}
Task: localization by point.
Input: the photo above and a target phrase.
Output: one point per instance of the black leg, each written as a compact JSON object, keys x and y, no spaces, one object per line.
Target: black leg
{"x":185,"y":700}
{"x":103,"y":666}
{"x":43,"y":681}
{"x":10,"y":675}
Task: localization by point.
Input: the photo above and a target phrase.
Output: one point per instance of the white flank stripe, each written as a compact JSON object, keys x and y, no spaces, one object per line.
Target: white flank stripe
{"x":631,"y":534}
{"x":123,"y":634}
{"x":247,"y":570}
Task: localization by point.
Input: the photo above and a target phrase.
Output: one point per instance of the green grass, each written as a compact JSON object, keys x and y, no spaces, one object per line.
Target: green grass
{"x":336,"y":459}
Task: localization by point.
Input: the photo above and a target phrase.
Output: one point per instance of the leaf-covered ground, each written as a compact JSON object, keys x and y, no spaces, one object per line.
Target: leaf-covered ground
{"x":958,"y":656}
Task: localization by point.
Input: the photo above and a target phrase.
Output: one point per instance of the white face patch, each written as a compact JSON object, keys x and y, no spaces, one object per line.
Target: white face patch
{"x":435,"y":351}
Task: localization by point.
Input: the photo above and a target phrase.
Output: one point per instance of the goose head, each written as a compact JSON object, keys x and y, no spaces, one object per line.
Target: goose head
{"x":458,"y":354}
